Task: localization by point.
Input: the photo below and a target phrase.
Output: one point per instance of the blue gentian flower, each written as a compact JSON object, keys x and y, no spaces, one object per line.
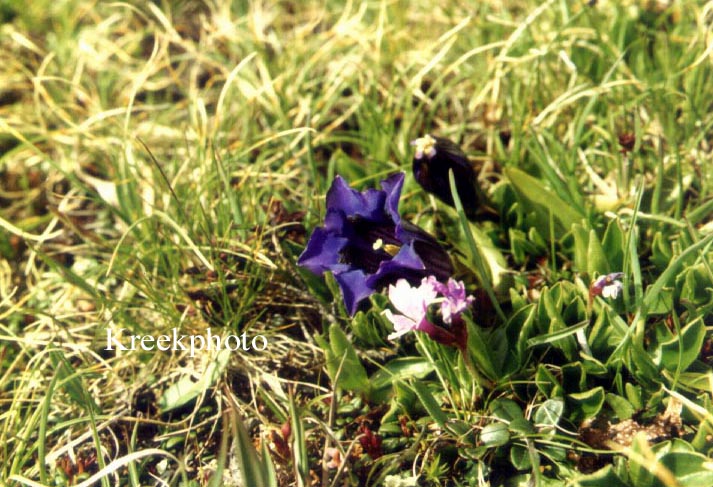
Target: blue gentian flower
{"x":366,"y":245}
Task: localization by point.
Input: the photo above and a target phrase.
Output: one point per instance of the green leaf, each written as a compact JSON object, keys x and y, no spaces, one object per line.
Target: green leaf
{"x":482,"y":253}
{"x":621,"y":407}
{"x":697,"y":286}
{"x":430,"y":404}
{"x":607,"y":332}
{"x":187,"y":388}
{"x":638,"y":473}
{"x":268,"y":468}
{"x":597,"y":262}
{"x":520,"y":457}
{"x":506,"y":409}
{"x":521,"y":426}
{"x":678,"y":353}
{"x":689,"y":468}
{"x":662,"y":304}
{"x":480,"y":350}
{"x":556,"y":336}
{"x":546,"y":382}
{"x":517,"y":330}
{"x":71,"y":382}
{"x":581,"y":243}
{"x":398,"y":369}
{"x":343,"y":365}
{"x":590,"y":402}
{"x":494,"y":434}
{"x":695,"y":380}
{"x":544,"y":201}
{"x":250,"y":466}
{"x":661,"y":251}
{"x":641,"y":364}
{"x":548,"y":414}
{"x":604,"y":477}
{"x":369,"y":328}
{"x":667,"y":277}
{"x":493,"y":260}
{"x":299,"y":445}
{"x":551,"y":319}
{"x":519,"y":246}
{"x":574,"y":377}
{"x":594,"y":367}
{"x":634,"y":395}
{"x":614,"y":245}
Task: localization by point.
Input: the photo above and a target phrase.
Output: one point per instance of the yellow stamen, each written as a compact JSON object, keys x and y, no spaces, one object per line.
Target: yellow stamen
{"x":388,"y":248}
{"x":391,"y":249}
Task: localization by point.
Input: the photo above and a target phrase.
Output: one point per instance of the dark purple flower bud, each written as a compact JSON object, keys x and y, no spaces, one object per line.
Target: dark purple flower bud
{"x":367,"y":246}
{"x":434,"y":157}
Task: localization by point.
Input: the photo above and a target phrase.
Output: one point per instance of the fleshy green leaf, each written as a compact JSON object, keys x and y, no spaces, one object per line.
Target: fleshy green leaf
{"x":430,"y":404}
{"x":590,"y":402}
{"x":543,"y":201}
{"x":398,"y":369}
{"x":506,"y":409}
{"x":520,"y":457}
{"x":481,"y":351}
{"x":689,"y":468}
{"x":621,"y":407}
{"x":678,"y":353}
{"x":597,"y":263}
{"x":495,"y":434}
{"x":667,"y":277}
{"x":549,"y":413}
{"x":343,"y":365}
{"x":604,"y":477}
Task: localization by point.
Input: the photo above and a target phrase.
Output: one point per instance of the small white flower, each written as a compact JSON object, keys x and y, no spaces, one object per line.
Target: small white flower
{"x":607,"y":286}
{"x":612,"y":290}
{"x":424,"y":145}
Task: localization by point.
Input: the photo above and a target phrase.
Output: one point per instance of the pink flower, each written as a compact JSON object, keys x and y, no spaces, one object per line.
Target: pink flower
{"x":335,"y":458}
{"x":455,"y":301}
{"x":413,"y":303}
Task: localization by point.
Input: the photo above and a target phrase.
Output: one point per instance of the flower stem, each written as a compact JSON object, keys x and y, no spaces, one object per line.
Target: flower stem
{"x":482,"y":381}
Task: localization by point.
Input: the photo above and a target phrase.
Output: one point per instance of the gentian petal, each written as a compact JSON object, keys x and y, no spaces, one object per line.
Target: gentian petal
{"x":403,"y":264}
{"x":434,"y":257}
{"x":354,"y":288}
{"x":351,"y":202}
{"x":392,"y":187}
{"x":322,"y":252}
{"x":335,"y":221}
